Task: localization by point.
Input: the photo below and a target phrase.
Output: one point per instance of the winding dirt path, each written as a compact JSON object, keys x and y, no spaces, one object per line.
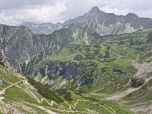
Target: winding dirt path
{"x":31,"y":92}
{"x":99,"y":105}
{"x":42,"y":99}
{"x":3,"y":91}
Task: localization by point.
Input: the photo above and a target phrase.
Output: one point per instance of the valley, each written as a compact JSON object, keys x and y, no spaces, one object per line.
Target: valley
{"x":98,"y":63}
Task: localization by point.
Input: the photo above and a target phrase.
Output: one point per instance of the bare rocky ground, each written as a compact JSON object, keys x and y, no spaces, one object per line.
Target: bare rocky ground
{"x":143,"y":107}
{"x":143,"y":70}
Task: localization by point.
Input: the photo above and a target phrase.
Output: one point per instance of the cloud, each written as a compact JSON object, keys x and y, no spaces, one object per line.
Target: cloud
{"x":21,"y":4}
{"x":36,"y":13}
{"x":13,"y":13}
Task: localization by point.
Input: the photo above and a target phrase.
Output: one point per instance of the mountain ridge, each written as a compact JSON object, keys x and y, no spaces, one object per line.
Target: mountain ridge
{"x":103,"y":18}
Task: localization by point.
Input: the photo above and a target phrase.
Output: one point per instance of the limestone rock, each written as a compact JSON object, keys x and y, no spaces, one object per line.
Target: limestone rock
{"x":4,"y":60}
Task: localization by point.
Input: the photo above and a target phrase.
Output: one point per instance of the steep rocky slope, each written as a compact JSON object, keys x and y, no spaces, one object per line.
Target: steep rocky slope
{"x":4,"y":60}
{"x":21,"y":45}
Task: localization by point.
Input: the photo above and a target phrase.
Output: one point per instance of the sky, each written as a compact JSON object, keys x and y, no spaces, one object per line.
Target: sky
{"x":13,"y":12}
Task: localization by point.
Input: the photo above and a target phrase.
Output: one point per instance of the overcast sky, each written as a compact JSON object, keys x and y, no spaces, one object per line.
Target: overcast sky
{"x":13,"y":12}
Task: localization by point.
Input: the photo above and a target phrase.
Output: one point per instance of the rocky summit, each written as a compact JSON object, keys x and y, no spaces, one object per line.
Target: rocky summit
{"x":97,"y":63}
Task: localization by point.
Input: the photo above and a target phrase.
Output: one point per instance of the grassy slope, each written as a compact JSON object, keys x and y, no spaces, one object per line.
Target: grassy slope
{"x":22,"y":98}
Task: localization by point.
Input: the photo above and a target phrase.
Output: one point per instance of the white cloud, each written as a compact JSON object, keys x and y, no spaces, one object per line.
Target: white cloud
{"x":12,"y":12}
{"x":41,"y":13}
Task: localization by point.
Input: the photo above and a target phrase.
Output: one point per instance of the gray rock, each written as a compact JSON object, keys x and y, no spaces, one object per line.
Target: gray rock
{"x":4,"y":61}
{"x":1,"y":82}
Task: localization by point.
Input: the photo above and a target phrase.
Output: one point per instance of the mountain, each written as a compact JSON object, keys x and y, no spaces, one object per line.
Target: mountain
{"x":101,"y":61}
{"x":102,"y":23}
{"x":21,"y":45}
{"x":116,"y":67}
{"x":20,"y":94}
{"x":42,"y":28}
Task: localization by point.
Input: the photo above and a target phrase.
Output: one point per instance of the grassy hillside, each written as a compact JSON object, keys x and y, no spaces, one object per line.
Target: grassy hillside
{"x":108,"y":63}
{"x":112,"y":67}
{"x":19,"y":96}
{"x":115,"y":67}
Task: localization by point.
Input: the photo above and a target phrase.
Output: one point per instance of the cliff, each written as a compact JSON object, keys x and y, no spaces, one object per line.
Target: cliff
{"x":4,"y":60}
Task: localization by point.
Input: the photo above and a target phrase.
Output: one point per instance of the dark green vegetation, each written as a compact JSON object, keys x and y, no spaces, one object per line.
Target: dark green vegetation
{"x":67,"y":95}
{"x":46,"y":93}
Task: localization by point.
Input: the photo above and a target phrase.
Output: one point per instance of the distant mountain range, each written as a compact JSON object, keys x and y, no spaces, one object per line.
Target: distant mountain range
{"x":103,"y":23}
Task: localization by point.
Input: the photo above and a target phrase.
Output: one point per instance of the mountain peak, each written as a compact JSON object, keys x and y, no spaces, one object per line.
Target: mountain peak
{"x":95,"y":9}
{"x":131,"y":15}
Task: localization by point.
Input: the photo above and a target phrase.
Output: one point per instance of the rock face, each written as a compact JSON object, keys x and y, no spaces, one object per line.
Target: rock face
{"x":21,"y":45}
{"x":136,"y":82}
{"x":54,"y":70}
{"x":1,"y":82}
{"x":4,"y":60}
{"x":149,"y":37}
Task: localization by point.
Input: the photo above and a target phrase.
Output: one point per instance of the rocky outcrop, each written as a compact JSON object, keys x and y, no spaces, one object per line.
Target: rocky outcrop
{"x":1,"y":82}
{"x":21,"y":45}
{"x":4,"y":60}
{"x":136,"y":82}
{"x":54,"y":70}
{"x":149,"y":38}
